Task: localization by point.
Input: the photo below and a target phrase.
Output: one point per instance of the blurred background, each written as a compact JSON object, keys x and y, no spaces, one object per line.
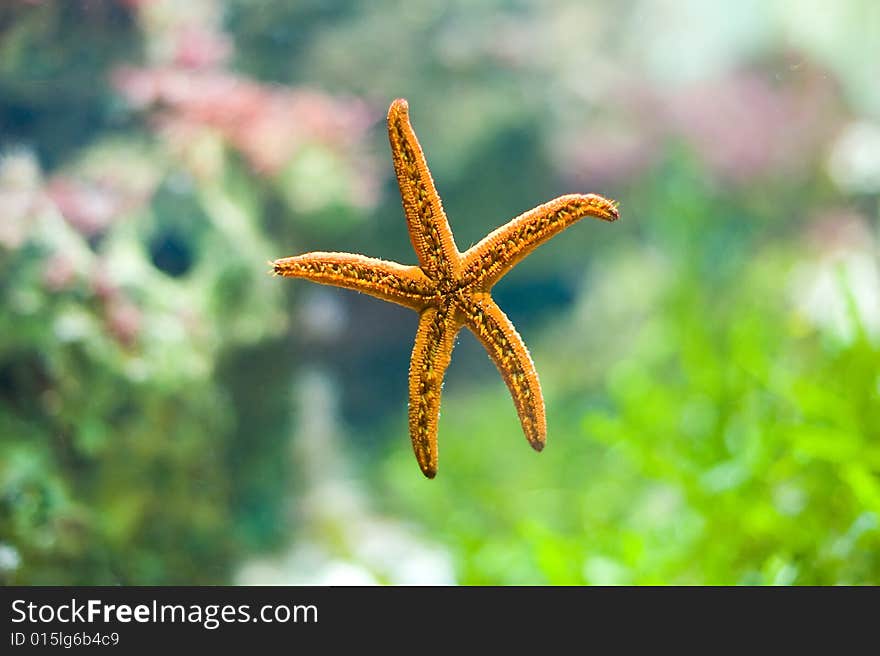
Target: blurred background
{"x":171,"y":414}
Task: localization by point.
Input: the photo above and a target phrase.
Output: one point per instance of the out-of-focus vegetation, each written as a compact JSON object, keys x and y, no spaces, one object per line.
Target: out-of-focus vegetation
{"x":171,"y":414}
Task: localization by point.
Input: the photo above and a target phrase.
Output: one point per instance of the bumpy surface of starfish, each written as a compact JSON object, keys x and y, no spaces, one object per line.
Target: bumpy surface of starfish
{"x":449,"y":289}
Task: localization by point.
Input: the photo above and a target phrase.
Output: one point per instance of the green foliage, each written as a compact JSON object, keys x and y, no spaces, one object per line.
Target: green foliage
{"x":110,"y":414}
{"x":725,"y":443}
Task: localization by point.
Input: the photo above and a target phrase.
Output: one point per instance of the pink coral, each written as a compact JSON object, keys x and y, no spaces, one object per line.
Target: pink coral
{"x":88,"y":207}
{"x":59,"y":272}
{"x":746,"y":126}
{"x":743,"y":126}
{"x":266,"y":123}
{"x":124,"y":320}
{"x":199,"y":47}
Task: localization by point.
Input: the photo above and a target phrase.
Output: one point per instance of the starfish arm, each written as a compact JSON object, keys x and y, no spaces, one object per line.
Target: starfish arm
{"x":509,"y":353}
{"x":428,"y":226}
{"x":496,"y":254}
{"x":432,"y":352}
{"x":404,"y":285}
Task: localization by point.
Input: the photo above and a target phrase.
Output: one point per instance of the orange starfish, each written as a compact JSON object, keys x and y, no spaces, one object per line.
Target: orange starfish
{"x":450,"y":289}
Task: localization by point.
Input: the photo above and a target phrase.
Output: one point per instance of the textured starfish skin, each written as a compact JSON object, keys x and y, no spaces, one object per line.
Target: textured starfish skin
{"x":449,"y":289}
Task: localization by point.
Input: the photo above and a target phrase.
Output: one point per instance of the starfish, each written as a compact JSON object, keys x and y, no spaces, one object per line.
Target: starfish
{"x":450,"y":289}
